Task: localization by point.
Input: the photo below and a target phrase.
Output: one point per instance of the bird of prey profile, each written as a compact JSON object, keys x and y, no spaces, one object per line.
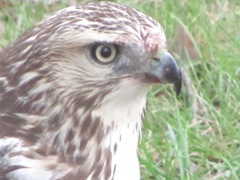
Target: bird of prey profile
{"x":73,"y":93}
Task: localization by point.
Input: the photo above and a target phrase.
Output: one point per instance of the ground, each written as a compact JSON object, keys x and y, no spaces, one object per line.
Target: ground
{"x":194,"y":136}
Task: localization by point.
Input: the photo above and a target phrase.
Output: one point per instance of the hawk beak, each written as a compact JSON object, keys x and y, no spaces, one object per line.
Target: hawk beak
{"x":164,"y":70}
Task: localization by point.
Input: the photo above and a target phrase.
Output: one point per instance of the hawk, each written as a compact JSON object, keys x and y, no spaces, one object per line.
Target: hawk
{"x":73,"y":93}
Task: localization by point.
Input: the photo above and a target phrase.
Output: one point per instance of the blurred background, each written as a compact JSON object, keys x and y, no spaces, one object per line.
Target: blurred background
{"x":195,"y":135}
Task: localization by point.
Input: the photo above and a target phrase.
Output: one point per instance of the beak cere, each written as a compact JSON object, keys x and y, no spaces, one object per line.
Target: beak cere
{"x":164,"y":70}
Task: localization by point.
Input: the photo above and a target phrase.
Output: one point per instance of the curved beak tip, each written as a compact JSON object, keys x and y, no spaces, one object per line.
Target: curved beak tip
{"x":173,"y":75}
{"x":178,"y":85}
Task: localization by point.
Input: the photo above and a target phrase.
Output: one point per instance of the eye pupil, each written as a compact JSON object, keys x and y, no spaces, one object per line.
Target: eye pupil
{"x":106,"y":52}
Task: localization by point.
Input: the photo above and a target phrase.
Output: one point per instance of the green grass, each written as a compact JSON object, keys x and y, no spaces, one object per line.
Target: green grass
{"x":197,"y":135}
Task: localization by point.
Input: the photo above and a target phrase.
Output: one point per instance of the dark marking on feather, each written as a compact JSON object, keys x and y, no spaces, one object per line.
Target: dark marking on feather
{"x":107,"y":169}
{"x":69,"y":137}
{"x":11,"y":168}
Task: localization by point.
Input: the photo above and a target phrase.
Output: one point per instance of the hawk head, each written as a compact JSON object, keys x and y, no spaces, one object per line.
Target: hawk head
{"x":73,"y":93}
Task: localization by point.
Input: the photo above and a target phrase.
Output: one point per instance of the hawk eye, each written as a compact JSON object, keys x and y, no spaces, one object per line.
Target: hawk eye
{"x":104,"y":53}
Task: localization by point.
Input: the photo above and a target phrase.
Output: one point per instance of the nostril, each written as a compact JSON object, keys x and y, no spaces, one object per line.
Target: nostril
{"x":156,"y":59}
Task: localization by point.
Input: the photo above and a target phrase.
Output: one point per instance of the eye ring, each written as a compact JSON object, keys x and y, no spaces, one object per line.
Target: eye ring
{"x":104,"y":53}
